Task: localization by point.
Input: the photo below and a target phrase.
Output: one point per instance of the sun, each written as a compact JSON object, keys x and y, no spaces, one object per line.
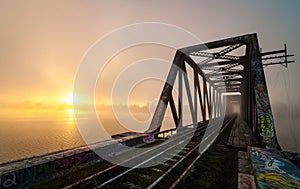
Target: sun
{"x":68,"y":99}
{"x":67,"y":102}
{"x":70,"y":111}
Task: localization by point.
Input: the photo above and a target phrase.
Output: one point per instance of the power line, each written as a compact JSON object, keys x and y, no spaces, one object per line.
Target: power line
{"x":281,"y":57}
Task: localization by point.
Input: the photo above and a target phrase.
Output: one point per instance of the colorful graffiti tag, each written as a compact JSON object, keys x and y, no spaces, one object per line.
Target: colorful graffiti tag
{"x":67,"y":162}
{"x":262,"y":99}
{"x":149,"y":138}
{"x":264,"y":112}
{"x":266,"y":125}
{"x":275,"y":180}
{"x":35,"y":170}
{"x":246,"y":181}
{"x":270,"y":142}
{"x":265,"y":120}
{"x":273,"y":171}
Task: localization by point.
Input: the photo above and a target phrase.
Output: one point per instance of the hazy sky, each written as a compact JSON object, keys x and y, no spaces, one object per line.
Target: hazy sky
{"x":43,"y":42}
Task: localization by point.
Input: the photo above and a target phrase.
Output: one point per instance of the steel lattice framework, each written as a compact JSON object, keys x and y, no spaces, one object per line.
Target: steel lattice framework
{"x":220,"y":68}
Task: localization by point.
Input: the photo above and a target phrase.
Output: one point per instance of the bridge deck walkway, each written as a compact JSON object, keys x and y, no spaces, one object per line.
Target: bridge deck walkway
{"x":241,"y":136}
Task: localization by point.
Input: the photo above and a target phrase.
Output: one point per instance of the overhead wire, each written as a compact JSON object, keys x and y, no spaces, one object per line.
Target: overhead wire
{"x":286,"y":77}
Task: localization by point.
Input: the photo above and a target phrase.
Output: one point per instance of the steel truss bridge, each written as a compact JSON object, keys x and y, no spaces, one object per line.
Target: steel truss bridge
{"x":219,"y":70}
{"x":204,"y":82}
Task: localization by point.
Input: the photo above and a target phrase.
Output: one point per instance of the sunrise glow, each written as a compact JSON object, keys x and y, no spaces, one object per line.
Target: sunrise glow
{"x":70,"y":111}
{"x":68,"y":99}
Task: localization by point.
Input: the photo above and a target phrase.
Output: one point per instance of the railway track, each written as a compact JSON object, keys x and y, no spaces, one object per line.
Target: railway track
{"x":162,"y":166}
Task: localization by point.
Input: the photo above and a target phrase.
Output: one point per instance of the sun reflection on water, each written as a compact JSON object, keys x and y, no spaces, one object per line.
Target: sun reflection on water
{"x":70,"y":120}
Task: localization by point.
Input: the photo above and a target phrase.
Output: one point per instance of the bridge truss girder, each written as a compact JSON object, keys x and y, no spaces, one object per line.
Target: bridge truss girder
{"x":232,"y":65}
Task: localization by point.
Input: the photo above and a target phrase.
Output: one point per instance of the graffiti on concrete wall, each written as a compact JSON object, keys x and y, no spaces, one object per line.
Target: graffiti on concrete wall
{"x":264,"y":112}
{"x":266,"y":125}
{"x":273,"y":171}
{"x":293,"y":157}
{"x":8,"y":180}
{"x":70,"y":161}
{"x":149,"y":138}
{"x":270,"y":142}
{"x":262,"y":98}
{"x":275,"y":180}
{"x":246,"y":181}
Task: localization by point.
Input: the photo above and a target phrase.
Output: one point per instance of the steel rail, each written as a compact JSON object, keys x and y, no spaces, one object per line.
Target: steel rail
{"x":181,"y":160}
{"x":157,"y":155}
{"x":146,"y":161}
{"x":187,"y":170}
{"x":201,"y":128}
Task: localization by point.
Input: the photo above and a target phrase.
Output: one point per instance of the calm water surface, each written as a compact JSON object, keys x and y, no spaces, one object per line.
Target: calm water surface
{"x":27,"y":135}
{"x":24,"y":135}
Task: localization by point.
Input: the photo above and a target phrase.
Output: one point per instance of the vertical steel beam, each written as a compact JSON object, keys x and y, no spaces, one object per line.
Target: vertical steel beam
{"x":204,"y":89}
{"x":189,"y":95}
{"x":210,"y":98}
{"x":264,"y":114}
{"x":207,"y":98}
{"x":218,"y":104}
{"x":173,"y":110}
{"x":215,"y":103}
{"x":200,"y":96}
{"x":195,"y":95}
{"x":246,"y":88}
{"x":165,"y":96}
{"x":180,"y":100}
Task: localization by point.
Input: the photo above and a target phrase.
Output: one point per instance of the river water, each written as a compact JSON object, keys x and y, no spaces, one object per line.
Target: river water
{"x":26,"y":133}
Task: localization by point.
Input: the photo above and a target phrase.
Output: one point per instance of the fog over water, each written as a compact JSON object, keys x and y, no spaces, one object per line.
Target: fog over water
{"x":43,"y":43}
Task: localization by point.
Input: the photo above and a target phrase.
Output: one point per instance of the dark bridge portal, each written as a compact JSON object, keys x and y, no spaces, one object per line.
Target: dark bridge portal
{"x":233,"y":104}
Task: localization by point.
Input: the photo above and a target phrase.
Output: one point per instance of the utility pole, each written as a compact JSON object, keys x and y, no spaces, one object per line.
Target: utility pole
{"x":280,"y":58}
